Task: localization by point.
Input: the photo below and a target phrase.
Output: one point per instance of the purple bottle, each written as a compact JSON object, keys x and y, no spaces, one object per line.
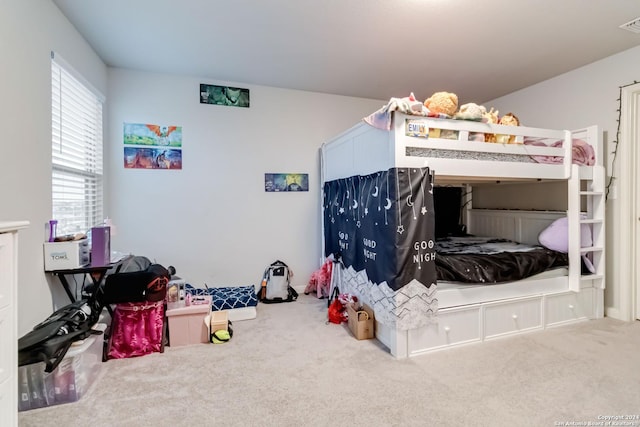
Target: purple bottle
{"x":52,"y":229}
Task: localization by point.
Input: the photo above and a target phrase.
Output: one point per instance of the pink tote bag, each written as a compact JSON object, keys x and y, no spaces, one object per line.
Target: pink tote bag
{"x":136,"y":329}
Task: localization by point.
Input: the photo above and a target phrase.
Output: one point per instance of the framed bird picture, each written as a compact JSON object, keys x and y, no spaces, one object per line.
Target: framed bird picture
{"x":151,"y":146}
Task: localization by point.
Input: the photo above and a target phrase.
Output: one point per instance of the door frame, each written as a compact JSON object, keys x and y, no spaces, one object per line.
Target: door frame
{"x":628,"y":247}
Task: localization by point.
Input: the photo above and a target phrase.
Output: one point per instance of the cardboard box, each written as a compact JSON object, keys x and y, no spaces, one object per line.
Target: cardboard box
{"x":219,"y":320}
{"x":361,"y":322}
{"x":66,"y":255}
{"x":186,"y":324}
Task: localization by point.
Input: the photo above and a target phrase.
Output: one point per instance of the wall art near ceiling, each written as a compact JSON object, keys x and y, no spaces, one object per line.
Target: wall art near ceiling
{"x":149,"y":146}
{"x":224,"y":95}
{"x":283,"y":182}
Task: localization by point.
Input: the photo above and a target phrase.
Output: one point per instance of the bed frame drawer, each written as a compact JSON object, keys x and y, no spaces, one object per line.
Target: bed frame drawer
{"x":505,"y":318}
{"x":453,"y":326}
{"x":569,"y":307}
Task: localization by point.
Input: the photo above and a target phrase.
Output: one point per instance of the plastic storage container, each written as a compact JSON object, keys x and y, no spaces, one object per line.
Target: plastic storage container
{"x":68,"y":382}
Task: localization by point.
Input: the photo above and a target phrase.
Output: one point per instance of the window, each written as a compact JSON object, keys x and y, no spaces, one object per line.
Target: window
{"x":76,"y":151}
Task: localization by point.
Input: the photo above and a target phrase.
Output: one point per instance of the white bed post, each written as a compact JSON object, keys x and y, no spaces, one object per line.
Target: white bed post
{"x":567,"y":160}
{"x":573,"y":219}
{"x":397,"y":144}
{"x":467,"y":203}
{"x":322,"y":175}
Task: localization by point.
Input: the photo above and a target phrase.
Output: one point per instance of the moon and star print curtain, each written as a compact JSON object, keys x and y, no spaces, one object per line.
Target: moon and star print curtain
{"x":383,"y":223}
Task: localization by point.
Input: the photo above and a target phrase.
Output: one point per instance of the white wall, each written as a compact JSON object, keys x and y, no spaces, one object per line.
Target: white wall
{"x":583,"y":97}
{"x":213,"y":220}
{"x":29,"y":31}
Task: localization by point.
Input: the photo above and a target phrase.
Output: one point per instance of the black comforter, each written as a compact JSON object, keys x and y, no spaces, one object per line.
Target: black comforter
{"x":488,"y":260}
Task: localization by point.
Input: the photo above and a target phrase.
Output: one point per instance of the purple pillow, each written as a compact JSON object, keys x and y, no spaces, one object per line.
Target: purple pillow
{"x":556,"y":235}
{"x":556,"y":238}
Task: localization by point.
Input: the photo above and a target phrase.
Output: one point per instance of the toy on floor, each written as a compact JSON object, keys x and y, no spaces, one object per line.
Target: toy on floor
{"x":337,"y":312}
{"x":320,"y":281}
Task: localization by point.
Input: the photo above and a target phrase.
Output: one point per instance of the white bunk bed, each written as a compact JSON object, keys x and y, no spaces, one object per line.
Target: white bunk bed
{"x":475,"y":313}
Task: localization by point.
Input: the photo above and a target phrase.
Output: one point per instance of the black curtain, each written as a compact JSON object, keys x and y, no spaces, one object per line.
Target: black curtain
{"x":383,"y":223}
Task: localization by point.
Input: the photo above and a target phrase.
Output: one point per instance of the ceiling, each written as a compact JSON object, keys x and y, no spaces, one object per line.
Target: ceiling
{"x":376,"y":49}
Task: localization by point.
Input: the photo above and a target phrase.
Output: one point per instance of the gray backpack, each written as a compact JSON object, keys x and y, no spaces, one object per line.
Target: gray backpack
{"x":276,"y":286}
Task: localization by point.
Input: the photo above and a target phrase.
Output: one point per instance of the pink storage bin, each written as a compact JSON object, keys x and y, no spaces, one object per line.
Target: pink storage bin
{"x":186,"y":324}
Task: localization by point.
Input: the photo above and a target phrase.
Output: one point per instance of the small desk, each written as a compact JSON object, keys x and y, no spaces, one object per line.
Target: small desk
{"x":96,"y":273}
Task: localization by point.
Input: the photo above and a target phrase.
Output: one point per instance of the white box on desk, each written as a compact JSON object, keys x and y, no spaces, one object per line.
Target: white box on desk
{"x":66,"y":255}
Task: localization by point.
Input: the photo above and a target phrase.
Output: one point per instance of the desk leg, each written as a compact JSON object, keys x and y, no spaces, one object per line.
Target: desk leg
{"x":65,"y":285}
{"x":96,"y":278}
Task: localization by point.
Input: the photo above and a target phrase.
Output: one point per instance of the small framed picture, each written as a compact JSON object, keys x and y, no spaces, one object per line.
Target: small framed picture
{"x":286,"y":182}
{"x":224,"y":95}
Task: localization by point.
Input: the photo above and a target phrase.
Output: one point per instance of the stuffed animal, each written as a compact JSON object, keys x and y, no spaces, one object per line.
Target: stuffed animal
{"x":408,"y":105}
{"x":474,"y":112}
{"x":490,"y":116}
{"x":508,"y":119}
{"x":442,"y":103}
{"x":471,"y":111}
{"x":320,"y":281}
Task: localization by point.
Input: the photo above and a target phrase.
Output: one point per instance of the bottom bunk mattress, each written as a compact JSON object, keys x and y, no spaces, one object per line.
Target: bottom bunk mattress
{"x":239,"y":301}
{"x":489,"y":260}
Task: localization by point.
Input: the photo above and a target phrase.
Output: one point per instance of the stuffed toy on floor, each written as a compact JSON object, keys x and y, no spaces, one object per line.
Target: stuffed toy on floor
{"x":320,"y":281}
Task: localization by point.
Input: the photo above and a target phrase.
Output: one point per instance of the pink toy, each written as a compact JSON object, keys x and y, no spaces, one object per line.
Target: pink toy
{"x":320,"y":281}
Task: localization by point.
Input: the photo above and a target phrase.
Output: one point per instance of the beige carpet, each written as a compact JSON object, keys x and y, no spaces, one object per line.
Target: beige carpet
{"x":289,"y":368}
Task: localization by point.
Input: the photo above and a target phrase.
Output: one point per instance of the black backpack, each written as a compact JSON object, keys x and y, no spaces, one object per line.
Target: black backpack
{"x":276,"y":285}
{"x":49,"y":341}
{"x":149,"y":284}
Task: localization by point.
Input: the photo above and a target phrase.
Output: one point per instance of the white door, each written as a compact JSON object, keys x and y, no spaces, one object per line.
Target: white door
{"x":632,"y":132}
{"x":636,"y":189}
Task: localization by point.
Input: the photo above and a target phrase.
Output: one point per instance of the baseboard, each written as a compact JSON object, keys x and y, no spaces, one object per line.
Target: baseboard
{"x":614,"y":313}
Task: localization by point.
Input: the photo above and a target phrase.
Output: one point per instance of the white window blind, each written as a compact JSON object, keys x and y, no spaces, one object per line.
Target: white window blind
{"x":76,"y":152}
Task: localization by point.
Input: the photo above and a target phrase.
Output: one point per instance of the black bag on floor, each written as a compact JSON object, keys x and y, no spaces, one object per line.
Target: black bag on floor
{"x":276,"y":286}
{"x":149,"y":284}
{"x":49,"y":341}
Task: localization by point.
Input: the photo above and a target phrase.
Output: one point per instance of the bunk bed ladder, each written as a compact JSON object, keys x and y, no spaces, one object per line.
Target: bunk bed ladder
{"x":586,"y":205}
{"x":594,"y":196}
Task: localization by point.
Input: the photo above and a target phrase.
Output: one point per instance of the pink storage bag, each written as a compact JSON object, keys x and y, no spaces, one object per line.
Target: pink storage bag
{"x":137,"y":329}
